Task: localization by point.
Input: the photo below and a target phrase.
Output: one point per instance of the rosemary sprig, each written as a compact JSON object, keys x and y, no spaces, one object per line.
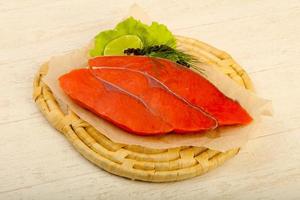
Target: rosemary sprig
{"x":164,"y":51}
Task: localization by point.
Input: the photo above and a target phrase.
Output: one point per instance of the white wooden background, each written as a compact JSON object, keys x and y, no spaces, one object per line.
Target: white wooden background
{"x":36,"y":162}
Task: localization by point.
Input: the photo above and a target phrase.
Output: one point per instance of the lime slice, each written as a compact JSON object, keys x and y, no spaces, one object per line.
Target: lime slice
{"x":118,"y":45}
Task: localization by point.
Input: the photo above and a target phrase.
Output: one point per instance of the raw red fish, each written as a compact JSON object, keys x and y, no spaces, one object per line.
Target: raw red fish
{"x":133,"y":101}
{"x":111,"y":104}
{"x":183,"y":82}
{"x":181,"y":115}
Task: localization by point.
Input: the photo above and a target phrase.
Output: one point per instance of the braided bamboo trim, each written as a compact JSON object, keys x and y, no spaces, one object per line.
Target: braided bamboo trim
{"x":137,"y":162}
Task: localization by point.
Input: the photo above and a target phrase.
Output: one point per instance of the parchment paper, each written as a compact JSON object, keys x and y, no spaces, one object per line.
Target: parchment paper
{"x":220,"y":139}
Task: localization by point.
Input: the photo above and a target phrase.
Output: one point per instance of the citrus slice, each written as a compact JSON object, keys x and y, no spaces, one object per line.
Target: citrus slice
{"x":118,"y":45}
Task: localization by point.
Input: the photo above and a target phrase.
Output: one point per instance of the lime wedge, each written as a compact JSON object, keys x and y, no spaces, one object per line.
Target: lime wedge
{"x":118,"y":45}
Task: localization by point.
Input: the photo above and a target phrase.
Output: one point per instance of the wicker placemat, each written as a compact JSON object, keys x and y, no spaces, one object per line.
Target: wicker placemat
{"x":136,"y":162}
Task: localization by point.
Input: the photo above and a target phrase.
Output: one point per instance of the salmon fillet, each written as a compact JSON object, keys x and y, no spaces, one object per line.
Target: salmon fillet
{"x":185,"y":83}
{"x":133,"y":101}
{"x":111,"y":104}
{"x":174,"y":110}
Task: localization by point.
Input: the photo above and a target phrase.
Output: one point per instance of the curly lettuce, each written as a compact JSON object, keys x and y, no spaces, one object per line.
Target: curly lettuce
{"x":155,"y":34}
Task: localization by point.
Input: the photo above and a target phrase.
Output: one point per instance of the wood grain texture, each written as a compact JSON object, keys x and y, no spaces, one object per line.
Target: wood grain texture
{"x":263,"y":36}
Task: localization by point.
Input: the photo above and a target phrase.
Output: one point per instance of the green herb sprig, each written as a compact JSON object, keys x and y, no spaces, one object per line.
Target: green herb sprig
{"x":164,"y":51}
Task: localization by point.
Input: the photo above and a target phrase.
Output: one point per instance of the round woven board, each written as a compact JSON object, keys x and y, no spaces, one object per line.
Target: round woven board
{"x":137,"y":162}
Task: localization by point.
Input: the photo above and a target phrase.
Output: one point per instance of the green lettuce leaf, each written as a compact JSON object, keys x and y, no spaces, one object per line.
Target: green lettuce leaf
{"x":155,"y":34}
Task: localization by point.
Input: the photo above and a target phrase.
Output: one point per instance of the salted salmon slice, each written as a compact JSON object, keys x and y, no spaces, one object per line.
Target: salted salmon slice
{"x":112,"y":104}
{"x":174,"y":110}
{"x":185,"y":83}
